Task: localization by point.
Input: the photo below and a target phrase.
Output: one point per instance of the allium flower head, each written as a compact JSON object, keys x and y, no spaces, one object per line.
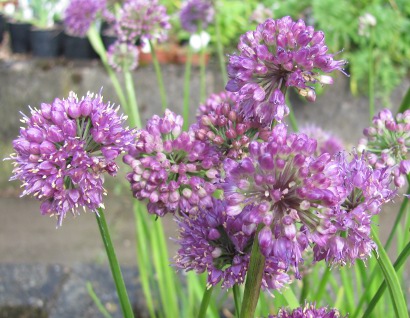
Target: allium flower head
{"x":326,"y":142}
{"x":123,"y":56}
{"x":65,"y":148}
{"x":214,"y":100}
{"x":214,"y":242}
{"x":308,"y":311}
{"x":170,"y":168}
{"x":285,"y":186}
{"x":386,"y":143}
{"x":345,"y":234}
{"x":279,"y":54}
{"x":194,"y":12}
{"x":79,"y":15}
{"x":226,"y":130}
{"x":142,"y":20}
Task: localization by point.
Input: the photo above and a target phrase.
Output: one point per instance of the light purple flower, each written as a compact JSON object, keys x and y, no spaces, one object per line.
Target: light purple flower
{"x":171,"y":169}
{"x":142,"y":20}
{"x":386,"y":143}
{"x":123,"y":56}
{"x":80,"y":14}
{"x":65,"y":148}
{"x":213,"y":101}
{"x":279,"y":54}
{"x":326,"y":142}
{"x":214,"y":242}
{"x":308,"y":311}
{"x":194,"y":12}
{"x":287,"y":190}
{"x":344,"y":235}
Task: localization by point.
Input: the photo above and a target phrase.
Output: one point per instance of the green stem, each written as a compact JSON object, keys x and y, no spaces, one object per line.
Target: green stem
{"x":133,"y":106}
{"x":98,"y":46}
{"x":205,"y":302}
{"x":305,"y":289}
{"x":219,"y":46}
{"x":371,"y":78}
{"x":202,"y":73}
{"x":114,"y":265}
{"x":187,"y":87}
{"x":397,"y":221}
{"x":237,"y":299}
{"x":160,"y":79}
{"x":253,"y":279}
{"x":97,"y":301}
{"x":321,"y":289}
{"x":405,"y":253}
{"x":292,"y":118}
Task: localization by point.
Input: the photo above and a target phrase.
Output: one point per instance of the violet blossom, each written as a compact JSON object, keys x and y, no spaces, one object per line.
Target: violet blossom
{"x":171,"y":169}
{"x":195,"y":12}
{"x":65,"y":148}
{"x":142,"y":20}
{"x":326,"y":141}
{"x":80,"y":14}
{"x":279,"y":54}
{"x":123,"y":56}
{"x":307,"y":311}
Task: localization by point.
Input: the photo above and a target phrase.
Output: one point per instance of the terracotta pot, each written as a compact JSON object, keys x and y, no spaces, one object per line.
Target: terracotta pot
{"x":166,"y":54}
{"x":182,"y":56}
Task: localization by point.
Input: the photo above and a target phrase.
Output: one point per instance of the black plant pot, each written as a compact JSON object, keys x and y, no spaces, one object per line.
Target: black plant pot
{"x":19,"y":37}
{"x":2,"y":27}
{"x":78,"y":48}
{"x":45,"y":43}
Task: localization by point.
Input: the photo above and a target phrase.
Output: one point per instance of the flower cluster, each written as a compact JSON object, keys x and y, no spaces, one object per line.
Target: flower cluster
{"x":308,"y":311}
{"x":142,"y":20}
{"x":213,"y":101}
{"x":214,"y":242}
{"x":287,"y":190}
{"x":170,"y":168}
{"x":279,"y":54}
{"x":122,"y":56}
{"x":326,"y":142}
{"x":386,"y":143}
{"x":366,"y":190}
{"x":65,"y":148}
{"x":80,"y":14}
{"x":195,"y":12}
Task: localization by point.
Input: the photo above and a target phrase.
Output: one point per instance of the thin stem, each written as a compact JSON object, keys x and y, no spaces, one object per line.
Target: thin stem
{"x":397,"y":222}
{"x":237,"y":299}
{"x":133,"y":106}
{"x":98,"y":46}
{"x":219,"y":47}
{"x":292,"y":118}
{"x":202,"y":73}
{"x":253,"y":279}
{"x":187,"y":87}
{"x":114,"y":265}
{"x":97,"y":301}
{"x":371,"y":78}
{"x":305,"y":289}
{"x":160,"y":79}
{"x":205,"y":302}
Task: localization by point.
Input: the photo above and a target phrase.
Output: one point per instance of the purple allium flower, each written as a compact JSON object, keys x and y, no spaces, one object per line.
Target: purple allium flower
{"x":308,"y":311}
{"x":194,"y":12}
{"x":142,"y":20}
{"x":345,"y":231}
{"x":123,"y":56}
{"x":79,"y":15}
{"x":213,"y":101}
{"x":64,"y":149}
{"x":171,"y":169}
{"x":386,"y":143}
{"x":214,"y":242}
{"x":285,"y":186}
{"x":279,"y":54}
{"x":326,"y":142}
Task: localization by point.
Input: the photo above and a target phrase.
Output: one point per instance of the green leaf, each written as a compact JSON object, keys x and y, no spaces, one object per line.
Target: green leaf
{"x":405,"y":103}
{"x":291,"y":298}
{"x":399,"y":303}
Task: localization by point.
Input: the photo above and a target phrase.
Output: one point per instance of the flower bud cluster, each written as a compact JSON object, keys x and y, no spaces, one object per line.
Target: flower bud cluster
{"x":279,"y":54}
{"x":326,"y":142}
{"x":65,"y":148}
{"x":171,"y":169}
{"x":195,"y":12}
{"x":123,"y":56}
{"x":386,"y":143}
{"x":308,"y":311}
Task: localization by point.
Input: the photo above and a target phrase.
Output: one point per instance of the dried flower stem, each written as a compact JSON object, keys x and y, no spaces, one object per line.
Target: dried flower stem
{"x":114,"y":265}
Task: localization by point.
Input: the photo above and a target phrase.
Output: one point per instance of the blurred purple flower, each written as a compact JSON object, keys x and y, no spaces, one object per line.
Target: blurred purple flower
{"x":171,"y":169}
{"x":279,"y":54}
{"x":326,"y":142}
{"x":194,"y":12}
{"x":123,"y":56}
{"x":80,"y":14}
{"x":308,"y":311}
{"x":142,"y":20}
{"x":65,"y":148}
{"x":213,"y":101}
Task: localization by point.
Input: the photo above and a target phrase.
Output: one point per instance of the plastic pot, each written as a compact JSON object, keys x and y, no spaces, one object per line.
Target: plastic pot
{"x":45,"y":42}
{"x":19,"y":37}
{"x":78,"y":48}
